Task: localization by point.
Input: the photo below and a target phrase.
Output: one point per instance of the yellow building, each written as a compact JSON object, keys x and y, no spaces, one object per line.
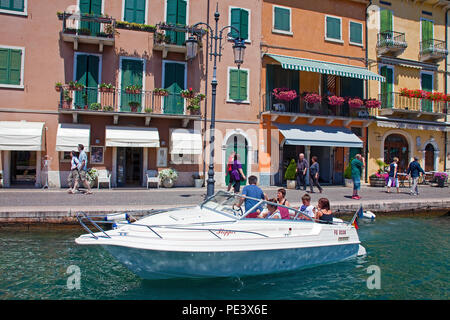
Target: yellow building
{"x":407,"y":45}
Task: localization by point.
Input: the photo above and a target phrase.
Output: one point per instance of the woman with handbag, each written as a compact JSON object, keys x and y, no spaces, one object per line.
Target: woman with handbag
{"x":237,"y":174}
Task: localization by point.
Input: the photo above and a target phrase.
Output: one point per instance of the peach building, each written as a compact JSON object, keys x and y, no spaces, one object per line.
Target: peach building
{"x":316,"y":50}
{"x":93,"y":72}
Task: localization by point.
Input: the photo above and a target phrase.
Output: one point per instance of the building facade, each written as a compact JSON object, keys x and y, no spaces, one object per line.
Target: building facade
{"x":408,"y":46}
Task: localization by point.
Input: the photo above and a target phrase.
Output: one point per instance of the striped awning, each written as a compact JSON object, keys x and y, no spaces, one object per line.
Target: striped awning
{"x":301,"y":64}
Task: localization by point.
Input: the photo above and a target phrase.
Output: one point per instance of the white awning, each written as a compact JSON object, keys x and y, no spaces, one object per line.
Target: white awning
{"x":319,"y":136}
{"x":143,"y":137}
{"x":70,"y":135}
{"x":185,"y":141}
{"x":21,"y":135}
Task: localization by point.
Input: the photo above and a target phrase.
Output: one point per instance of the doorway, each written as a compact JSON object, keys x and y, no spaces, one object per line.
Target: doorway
{"x":396,"y":145}
{"x":239,"y":145}
{"x":129,"y":167}
{"x":23,"y":167}
{"x":323,"y":155}
{"x":429,"y":158}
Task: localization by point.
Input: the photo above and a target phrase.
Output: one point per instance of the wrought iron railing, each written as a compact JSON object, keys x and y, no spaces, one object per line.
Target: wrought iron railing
{"x":395,"y":100}
{"x":88,"y":25}
{"x":391,"y":39}
{"x":433,"y":47}
{"x":121,"y":100}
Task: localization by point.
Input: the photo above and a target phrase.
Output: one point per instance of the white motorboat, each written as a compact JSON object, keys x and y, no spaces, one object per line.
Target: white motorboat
{"x":217,"y":239}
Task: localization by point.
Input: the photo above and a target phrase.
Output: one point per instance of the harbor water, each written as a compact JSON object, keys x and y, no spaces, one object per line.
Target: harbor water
{"x":412,"y":256}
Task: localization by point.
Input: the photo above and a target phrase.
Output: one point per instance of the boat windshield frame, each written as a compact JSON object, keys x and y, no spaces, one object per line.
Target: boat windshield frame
{"x":219,"y":208}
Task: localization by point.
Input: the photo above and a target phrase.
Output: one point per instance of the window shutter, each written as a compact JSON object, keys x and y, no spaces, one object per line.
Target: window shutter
{"x":15,"y":63}
{"x":181,"y":20}
{"x":244,"y":24}
{"x":355,"y":32}
{"x":427,"y":31}
{"x":85,"y":6}
{"x":243,"y":84}
{"x":129,"y":11}
{"x":96,"y":6}
{"x":4,"y":57}
{"x":385,"y":20}
{"x":235,"y":21}
{"x":282,"y":17}
{"x":234,"y":84}
{"x":333,"y":28}
{"x":139,"y":15}
{"x":18,"y":5}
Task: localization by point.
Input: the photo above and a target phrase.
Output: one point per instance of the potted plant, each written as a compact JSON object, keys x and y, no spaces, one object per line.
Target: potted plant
{"x":148,"y":110}
{"x":134,"y":105}
{"x":284,"y":94}
{"x":188,"y":93}
{"x":168,"y":177}
{"x":92,"y":175}
{"x":198,"y":180}
{"x":75,"y":86}
{"x":290,"y":173}
{"x":58,"y":86}
{"x":108,"y":108}
{"x":70,"y":31}
{"x":95,"y":106}
{"x":160,"y":92}
{"x":335,"y":101}
{"x":67,"y":100}
{"x":355,"y":103}
{"x":372,"y":103}
{"x":84,"y":31}
{"x":441,"y":178}
{"x":379,"y":178}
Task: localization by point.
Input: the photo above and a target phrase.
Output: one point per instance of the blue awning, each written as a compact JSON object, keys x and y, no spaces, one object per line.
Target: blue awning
{"x":305,"y":135}
{"x":301,"y":64}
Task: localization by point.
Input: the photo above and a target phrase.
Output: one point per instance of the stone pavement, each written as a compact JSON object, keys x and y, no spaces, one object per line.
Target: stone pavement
{"x":56,"y":205}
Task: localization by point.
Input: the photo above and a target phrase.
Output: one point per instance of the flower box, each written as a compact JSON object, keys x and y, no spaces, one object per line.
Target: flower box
{"x":284,"y":94}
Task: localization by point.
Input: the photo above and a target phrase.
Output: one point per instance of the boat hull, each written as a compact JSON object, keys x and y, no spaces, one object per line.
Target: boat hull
{"x":156,"y":264}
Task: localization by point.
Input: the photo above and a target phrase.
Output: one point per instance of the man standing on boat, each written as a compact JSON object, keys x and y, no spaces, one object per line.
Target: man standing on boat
{"x":252,"y":191}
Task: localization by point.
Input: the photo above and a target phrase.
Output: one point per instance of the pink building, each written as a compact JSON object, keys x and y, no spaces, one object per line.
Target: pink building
{"x":112,"y":60}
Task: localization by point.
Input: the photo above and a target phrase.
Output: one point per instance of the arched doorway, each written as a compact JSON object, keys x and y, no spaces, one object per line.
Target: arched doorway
{"x":237,"y":143}
{"x":396,"y":145}
{"x":429,"y":157}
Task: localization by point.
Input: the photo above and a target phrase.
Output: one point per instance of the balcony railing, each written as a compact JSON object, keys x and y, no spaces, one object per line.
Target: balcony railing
{"x":119,"y":100}
{"x":300,"y":106}
{"x":433,"y":50}
{"x":395,"y":101}
{"x":90,"y":29}
{"x":391,"y":42}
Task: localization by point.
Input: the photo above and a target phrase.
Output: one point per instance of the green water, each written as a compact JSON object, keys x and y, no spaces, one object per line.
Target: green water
{"x":412,"y":253}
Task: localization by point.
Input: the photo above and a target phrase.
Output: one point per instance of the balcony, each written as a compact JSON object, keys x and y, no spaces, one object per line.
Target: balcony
{"x":118,"y":102}
{"x":432,"y":50}
{"x":88,"y":29}
{"x":391,"y":43}
{"x":299,"y":107}
{"x":172,"y":38}
{"x":394,"y":103}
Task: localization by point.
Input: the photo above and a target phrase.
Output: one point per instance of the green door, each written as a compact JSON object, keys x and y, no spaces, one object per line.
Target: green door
{"x":387,"y":87}
{"x":87,"y":73}
{"x":174,"y":82}
{"x":240,"y":147}
{"x":427,"y":35}
{"x":131,"y":76}
{"x":176,"y":14}
{"x":427,"y":85}
{"x":91,"y":7}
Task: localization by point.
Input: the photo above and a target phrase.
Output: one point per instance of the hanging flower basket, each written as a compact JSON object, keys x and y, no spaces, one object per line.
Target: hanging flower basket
{"x":355,"y":103}
{"x":312,"y":98}
{"x":335,"y":101}
{"x":284,"y":94}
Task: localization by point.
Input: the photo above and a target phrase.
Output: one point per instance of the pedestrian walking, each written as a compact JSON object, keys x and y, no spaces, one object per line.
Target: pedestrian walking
{"x":357,"y":166}
{"x":229,"y":169}
{"x":414,"y":169}
{"x":82,"y":170}
{"x":314,"y":175}
{"x":302,"y":169}
{"x":73,"y":175}
{"x":393,"y":175}
{"x":237,"y":174}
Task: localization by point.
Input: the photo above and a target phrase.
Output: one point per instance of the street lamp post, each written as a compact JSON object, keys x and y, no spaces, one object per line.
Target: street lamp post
{"x":216,"y":49}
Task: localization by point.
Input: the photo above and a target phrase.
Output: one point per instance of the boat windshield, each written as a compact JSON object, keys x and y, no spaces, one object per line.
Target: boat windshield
{"x":224,"y":202}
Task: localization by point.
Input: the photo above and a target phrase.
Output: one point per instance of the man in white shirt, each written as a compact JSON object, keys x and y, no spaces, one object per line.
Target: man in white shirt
{"x":82,"y":170}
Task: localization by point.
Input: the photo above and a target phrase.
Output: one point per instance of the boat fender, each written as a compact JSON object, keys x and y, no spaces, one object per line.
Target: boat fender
{"x":369,"y":215}
{"x":116,"y":217}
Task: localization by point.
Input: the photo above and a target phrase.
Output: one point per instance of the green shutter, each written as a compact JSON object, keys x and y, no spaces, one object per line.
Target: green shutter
{"x":135,"y":11}
{"x":15,"y":62}
{"x":282,"y":19}
{"x":427,"y":35}
{"x":243,"y":75}
{"x":427,"y":85}
{"x":333,"y":28}
{"x":387,"y":87}
{"x":174,"y":82}
{"x":129,"y":14}
{"x":385,"y":20}
{"x":81,"y":77}
{"x":235,"y":21}
{"x":244,"y":24}
{"x":92,"y":78}
{"x":181,"y":20}
{"x":355,"y":32}
{"x":131,"y":75}
{"x":234,"y":84}
{"x":15,"y":5}
{"x":171,"y":18}
{"x":4,"y":63}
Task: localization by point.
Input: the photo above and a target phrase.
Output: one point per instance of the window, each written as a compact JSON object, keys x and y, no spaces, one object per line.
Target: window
{"x":238,"y":84}
{"x":13,"y":6}
{"x":176,"y":13}
{"x":281,"y":19}
{"x":333,"y":30}
{"x":134,"y":11}
{"x":11,"y":66}
{"x":356,"y":33}
{"x":240,"y":20}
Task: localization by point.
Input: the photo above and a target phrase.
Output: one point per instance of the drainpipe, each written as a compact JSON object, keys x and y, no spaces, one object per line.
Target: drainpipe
{"x":366,"y":151}
{"x":446,"y":91}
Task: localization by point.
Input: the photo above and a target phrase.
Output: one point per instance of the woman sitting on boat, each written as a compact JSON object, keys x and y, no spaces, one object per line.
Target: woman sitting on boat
{"x":281,"y":199}
{"x":271,"y":212}
{"x":323,"y":213}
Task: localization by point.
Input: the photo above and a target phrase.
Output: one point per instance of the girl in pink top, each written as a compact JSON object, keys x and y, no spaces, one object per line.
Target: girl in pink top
{"x":281,"y":199}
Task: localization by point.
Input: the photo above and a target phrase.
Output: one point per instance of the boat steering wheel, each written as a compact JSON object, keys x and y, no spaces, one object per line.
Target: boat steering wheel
{"x":237,"y":210}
